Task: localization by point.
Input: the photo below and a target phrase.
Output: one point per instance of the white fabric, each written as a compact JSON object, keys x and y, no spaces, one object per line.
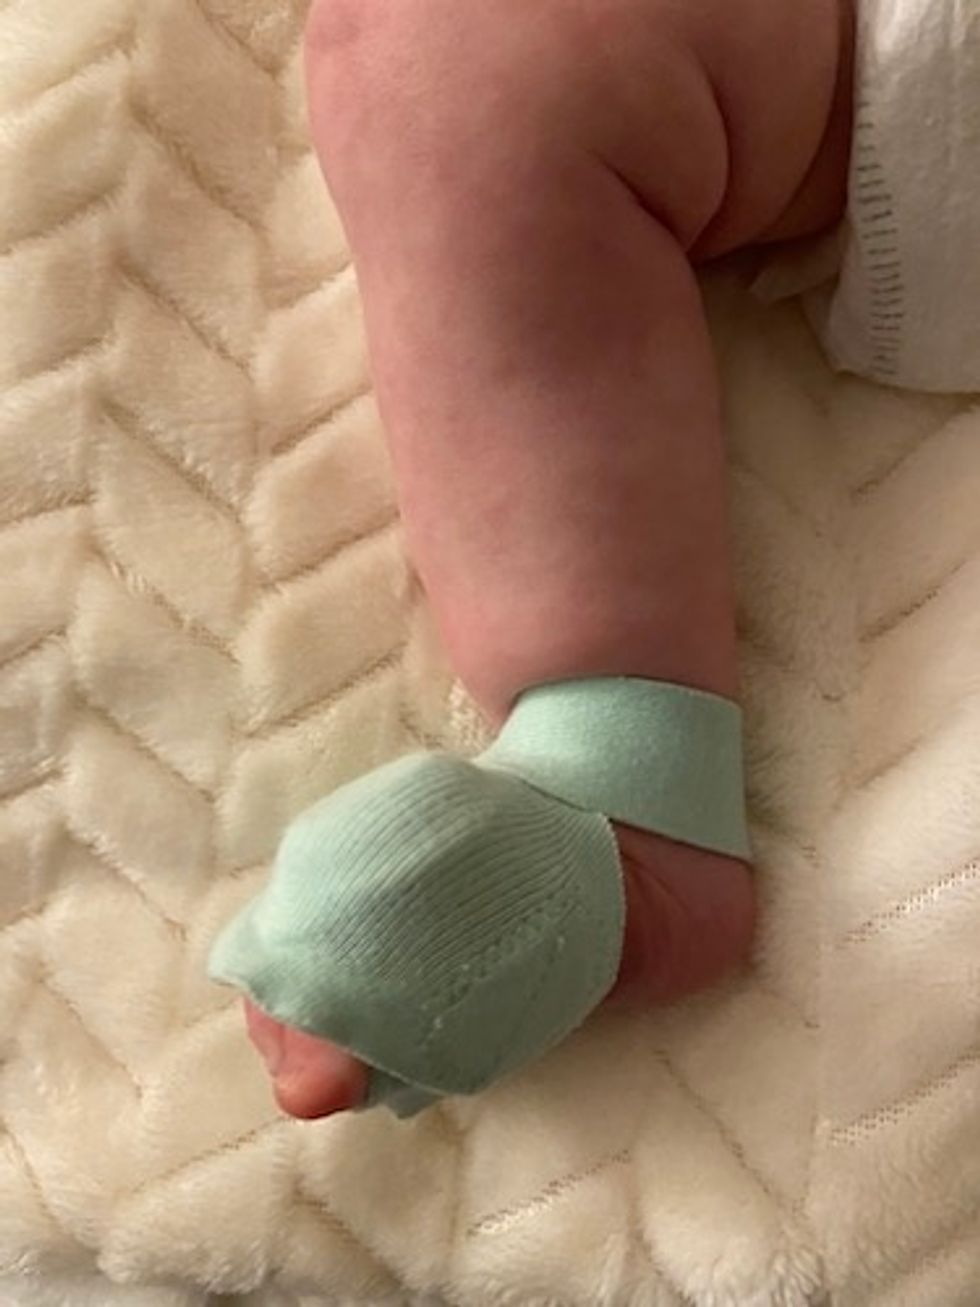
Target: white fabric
{"x":905,"y":311}
{"x":207,"y":621}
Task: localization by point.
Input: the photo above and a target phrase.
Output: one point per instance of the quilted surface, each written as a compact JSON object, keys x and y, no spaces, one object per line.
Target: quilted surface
{"x":207,"y":621}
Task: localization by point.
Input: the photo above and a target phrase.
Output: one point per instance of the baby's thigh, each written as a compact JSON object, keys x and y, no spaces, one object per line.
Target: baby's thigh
{"x":782,"y":71}
{"x":772,"y":72}
{"x":424,"y":93}
{"x":711,"y":111}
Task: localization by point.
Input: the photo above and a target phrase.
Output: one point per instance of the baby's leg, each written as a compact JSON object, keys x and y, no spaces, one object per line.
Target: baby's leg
{"x":522,"y":187}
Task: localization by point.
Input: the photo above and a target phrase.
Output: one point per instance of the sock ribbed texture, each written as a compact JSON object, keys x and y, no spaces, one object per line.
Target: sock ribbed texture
{"x":448,"y":921}
{"x":444,"y":922}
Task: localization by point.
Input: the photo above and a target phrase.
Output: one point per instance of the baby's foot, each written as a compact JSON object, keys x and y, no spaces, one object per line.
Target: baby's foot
{"x":690,"y":917}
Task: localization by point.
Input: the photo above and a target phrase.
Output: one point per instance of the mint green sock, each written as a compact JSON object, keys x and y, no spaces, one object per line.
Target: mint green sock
{"x":449,"y":920}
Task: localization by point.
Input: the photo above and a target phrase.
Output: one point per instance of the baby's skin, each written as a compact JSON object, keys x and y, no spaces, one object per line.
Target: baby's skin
{"x":526,"y":189}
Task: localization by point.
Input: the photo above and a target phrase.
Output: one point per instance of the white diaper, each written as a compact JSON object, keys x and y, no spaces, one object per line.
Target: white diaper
{"x":905,"y":309}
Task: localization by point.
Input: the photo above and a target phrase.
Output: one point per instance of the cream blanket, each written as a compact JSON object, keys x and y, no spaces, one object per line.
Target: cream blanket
{"x":207,"y":621}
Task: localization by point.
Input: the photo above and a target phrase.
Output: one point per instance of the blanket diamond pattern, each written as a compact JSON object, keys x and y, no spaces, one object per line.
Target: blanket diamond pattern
{"x":208,"y":621}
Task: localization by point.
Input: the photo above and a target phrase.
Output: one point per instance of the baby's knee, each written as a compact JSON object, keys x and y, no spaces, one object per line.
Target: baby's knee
{"x":446,"y":95}
{"x":424,"y":81}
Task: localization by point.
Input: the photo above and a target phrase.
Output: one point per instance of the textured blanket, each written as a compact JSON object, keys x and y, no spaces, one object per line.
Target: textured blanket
{"x":206,"y":621}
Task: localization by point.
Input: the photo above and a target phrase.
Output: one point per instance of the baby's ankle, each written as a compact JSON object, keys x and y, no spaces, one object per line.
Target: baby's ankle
{"x":497,"y":667}
{"x":690,"y":916}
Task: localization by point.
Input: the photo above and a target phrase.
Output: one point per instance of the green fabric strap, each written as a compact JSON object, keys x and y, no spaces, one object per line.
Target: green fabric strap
{"x":664,"y":757}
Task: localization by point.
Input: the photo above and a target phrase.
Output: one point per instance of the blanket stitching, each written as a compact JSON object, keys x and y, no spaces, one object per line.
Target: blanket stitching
{"x":681,"y":1299}
{"x":291,"y":439}
{"x":932,"y":735}
{"x":48,"y":985}
{"x":376,"y":670}
{"x":884,"y":920}
{"x":105,"y":53}
{"x":767,"y":821}
{"x":768,"y":653}
{"x":91,"y":845}
{"x":868,"y":1123}
{"x":871,"y":485}
{"x":49,"y":768}
{"x":782,"y":1000}
{"x":79,"y":214}
{"x":66,"y":505}
{"x":141,"y":588}
{"x":72,"y":356}
{"x":375,"y":530}
{"x":144,"y":746}
{"x":324,"y":279}
{"x":884,"y":626}
{"x":732,"y":1143}
{"x":34,"y":1183}
{"x":237,"y":1145}
{"x":502,"y":1220}
{"x":128,"y":424}
{"x":408,"y":721}
{"x":303,"y":1196}
{"x":231,"y":39}
{"x":638,"y":1227}
{"x":818,"y":532}
{"x":936,"y":1253}
{"x":36,"y":912}
{"x":168,"y":145}
{"x":140,"y":279}
{"x":53,"y":637}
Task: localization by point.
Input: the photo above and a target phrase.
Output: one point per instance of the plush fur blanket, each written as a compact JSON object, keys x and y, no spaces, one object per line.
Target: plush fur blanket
{"x":207,"y":621}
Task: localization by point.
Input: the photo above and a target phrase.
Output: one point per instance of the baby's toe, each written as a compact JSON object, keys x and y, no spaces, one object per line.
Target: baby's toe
{"x":312,"y":1077}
